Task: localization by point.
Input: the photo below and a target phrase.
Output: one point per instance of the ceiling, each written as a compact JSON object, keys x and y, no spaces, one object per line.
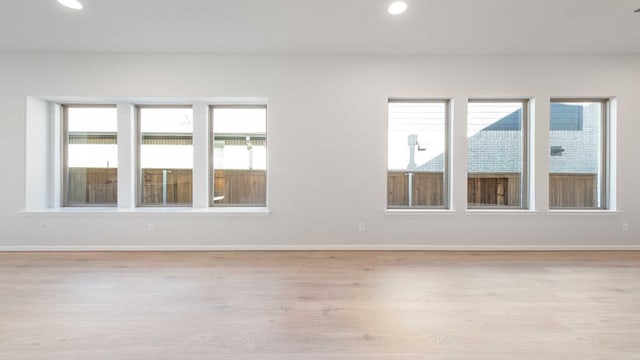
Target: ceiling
{"x":324,"y":27}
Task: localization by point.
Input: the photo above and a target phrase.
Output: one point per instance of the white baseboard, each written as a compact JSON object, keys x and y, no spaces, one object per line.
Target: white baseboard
{"x":324,"y":248}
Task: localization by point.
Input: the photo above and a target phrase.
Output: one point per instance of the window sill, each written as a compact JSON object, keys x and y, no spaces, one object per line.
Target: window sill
{"x":403,"y":212}
{"x":501,"y":212}
{"x":240,"y":211}
{"x":583,"y":212}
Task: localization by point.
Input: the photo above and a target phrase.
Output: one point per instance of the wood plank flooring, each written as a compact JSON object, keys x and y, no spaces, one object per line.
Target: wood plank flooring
{"x":320,"y":305}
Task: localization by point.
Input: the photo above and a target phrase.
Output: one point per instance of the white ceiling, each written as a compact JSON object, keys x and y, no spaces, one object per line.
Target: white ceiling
{"x":324,"y":26}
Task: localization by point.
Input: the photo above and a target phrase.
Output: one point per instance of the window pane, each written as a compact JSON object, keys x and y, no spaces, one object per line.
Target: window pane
{"x":239,"y":156}
{"x":495,"y":154}
{"x":166,"y":156}
{"x":92,"y":156}
{"x":575,"y":161}
{"x":416,"y":154}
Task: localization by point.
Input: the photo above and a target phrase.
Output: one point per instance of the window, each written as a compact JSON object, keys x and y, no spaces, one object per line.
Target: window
{"x":578,"y":154}
{"x":90,"y":155}
{"x":147,"y":155}
{"x":239,"y":154}
{"x":165,"y":155}
{"x":497,"y":154}
{"x":417,"y":154}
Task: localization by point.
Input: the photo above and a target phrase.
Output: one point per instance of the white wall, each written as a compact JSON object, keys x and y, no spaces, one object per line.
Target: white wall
{"x":327,"y":149}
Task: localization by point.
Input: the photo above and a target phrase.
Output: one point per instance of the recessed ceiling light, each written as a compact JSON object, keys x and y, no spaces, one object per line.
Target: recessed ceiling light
{"x":397,"y":8}
{"x":72,"y":4}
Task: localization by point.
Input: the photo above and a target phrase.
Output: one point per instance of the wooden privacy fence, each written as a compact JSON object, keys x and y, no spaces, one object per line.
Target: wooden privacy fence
{"x":573,"y":190}
{"x":500,"y":189}
{"x":178,"y":186}
{"x":248,"y":187}
{"x":92,"y":186}
{"x":428,"y":189}
{"x":99,"y":186}
{"x":241,"y":187}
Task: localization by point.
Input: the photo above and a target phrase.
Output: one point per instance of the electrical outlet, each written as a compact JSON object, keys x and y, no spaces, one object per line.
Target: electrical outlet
{"x":151,"y":227}
{"x":362,"y":227}
{"x":624,"y":226}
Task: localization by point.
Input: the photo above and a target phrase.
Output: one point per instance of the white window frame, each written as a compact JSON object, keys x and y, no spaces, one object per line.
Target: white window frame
{"x":138,"y":149}
{"x":605,"y":188}
{"x":64,"y":152}
{"x":525,"y":196}
{"x":45,"y":129}
{"x":211,"y":162}
{"x":446,"y":181}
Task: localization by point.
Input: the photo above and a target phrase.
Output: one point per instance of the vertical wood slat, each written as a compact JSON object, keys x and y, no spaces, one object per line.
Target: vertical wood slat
{"x":179,"y":186}
{"x":99,"y":185}
{"x":501,"y":195}
{"x":573,"y":190}
{"x":92,"y":186}
{"x":241,"y":187}
{"x":428,"y":189}
{"x":494,"y":189}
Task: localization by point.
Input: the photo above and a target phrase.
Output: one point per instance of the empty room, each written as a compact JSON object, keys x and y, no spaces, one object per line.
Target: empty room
{"x":320,"y":179}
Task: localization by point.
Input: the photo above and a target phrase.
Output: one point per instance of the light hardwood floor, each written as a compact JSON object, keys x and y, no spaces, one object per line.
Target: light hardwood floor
{"x":320,"y":305}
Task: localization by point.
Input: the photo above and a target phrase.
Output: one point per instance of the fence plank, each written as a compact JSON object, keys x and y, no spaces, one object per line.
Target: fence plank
{"x":179,"y":186}
{"x":241,"y":187}
{"x":92,"y":186}
{"x":428,"y":189}
{"x":573,"y":190}
{"x":248,"y":187}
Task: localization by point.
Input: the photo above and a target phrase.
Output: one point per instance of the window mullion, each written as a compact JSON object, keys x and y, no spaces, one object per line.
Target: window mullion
{"x":127,"y":145}
{"x":200,"y":156}
{"x":57,"y":171}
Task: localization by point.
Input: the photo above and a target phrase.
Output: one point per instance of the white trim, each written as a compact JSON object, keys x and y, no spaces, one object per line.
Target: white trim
{"x":55,"y":158}
{"x":613,"y":154}
{"x":200,"y":184}
{"x":500,"y":212}
{"x":323,"y":248}
{"x":539,"y":152}
{"x":154,"y":100}
{"x":100,"y":211}
{"x":458,"y":153}
{"x":584,"y":212}
{"x":418,"y":211}
{"x":127,"y":167}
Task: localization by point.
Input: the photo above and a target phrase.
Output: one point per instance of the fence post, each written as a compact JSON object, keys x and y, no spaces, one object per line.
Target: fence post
{"x":410,"y":179}
{"x":164,"y":187}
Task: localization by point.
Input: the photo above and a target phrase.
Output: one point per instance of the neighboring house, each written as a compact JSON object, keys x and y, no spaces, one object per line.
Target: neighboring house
{"x":574,"y":133}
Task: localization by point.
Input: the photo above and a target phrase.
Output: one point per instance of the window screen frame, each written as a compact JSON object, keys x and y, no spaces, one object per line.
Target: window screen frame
{"x":526,"y":153}
{"x":64,"y":163}
{"x":605,"y":150}
{"x":138,"y":160}
{"x":211,"y":160}
{"x":446,"y":183}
